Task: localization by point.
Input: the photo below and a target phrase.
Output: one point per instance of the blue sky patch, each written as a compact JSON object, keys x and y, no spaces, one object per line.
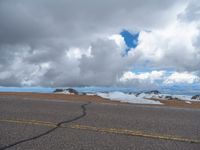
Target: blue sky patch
{"x":131,"y":39}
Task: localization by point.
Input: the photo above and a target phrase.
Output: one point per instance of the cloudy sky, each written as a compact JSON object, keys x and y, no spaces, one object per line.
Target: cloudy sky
{"x":140,"y":43}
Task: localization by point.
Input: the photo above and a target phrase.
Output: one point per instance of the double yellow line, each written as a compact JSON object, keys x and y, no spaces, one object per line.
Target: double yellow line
{"x":105,"y":130}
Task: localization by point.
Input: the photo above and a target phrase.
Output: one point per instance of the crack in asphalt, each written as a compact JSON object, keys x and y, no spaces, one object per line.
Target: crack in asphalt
{"x":58,"y":125}
{"x":119,"y":131}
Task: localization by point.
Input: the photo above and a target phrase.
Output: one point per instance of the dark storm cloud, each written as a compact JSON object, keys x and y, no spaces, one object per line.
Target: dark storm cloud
{"x":28,"y":20}
{"x":37,"y":35}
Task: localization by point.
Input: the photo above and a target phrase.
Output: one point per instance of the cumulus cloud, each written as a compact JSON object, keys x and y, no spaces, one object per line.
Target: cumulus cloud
{"x":182,"y":77}
{"x":119,"y":40}
{"x":35,"y":21}
{"x":142,"y":80}
{"x":171,"y":47}
{"x":73,"y":43}
{"x":149,"y":76}
{"x":105,"y":64}
{"x":158,"y":79}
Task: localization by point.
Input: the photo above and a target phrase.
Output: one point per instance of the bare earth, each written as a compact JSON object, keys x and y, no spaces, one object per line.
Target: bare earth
{"x":91,"y":98}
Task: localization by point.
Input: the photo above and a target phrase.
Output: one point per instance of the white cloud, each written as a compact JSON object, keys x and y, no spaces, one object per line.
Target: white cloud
{"x":119,"y":40}
{"x":182,"y":77}
{"x":169,"y":47}
{"x":155,"y":77}
{"x":4,"y":75}
{"x":77,"y":53}
{"x":43,"y":44}
{"x":149,"y":76}
{"x":105,"y":64}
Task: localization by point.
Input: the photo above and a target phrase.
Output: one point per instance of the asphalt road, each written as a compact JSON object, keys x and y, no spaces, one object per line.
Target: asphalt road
{"x":58,"y":125}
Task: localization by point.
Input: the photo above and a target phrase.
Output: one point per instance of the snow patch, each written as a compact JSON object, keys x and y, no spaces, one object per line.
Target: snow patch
{"x":130,"y":98}
{"x":188,"y":102}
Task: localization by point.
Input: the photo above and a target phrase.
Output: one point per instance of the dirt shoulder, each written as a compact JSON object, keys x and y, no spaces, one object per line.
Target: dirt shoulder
{"x":52,"y":96}
{"x":93,"y":98}
{"x":180,"y":103}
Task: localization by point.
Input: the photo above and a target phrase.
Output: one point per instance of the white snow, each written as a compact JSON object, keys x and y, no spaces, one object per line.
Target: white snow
{"x":130,"y":98}
{"x":90,"y":94}
{"x":143,"y":98}
{"x":144,"y":95}
{"x":184,"y":97}
{"x":188,"y":102}
{"x":163,"y":96}
{"x":63,"y":92}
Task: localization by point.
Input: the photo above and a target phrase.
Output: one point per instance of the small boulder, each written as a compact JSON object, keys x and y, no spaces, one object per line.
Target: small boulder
{"x":156,"y":92}
{"x":176,"y":98}
{"x":137,"y":94}
{"x":196,"y":97}
{"x":169,"y":97}
{"x":72,"y":91}
{"x":67,"y":91}
{"x":58,"y":90}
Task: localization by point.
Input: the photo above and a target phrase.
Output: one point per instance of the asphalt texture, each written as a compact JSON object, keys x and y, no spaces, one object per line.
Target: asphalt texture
{"x":151,"y":120}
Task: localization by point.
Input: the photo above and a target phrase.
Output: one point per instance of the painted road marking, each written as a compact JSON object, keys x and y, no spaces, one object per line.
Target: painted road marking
{"x":135,"y":133}
{"x":105,"y":130}
{"x":31,"y":122}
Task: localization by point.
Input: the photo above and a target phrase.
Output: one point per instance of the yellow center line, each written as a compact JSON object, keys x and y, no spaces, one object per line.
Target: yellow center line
{"x":31,"y":122}
{"x":105,"y":130}
{"x":135,"y":133}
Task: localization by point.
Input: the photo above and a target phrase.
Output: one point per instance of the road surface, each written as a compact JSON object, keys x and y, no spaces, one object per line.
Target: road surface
{"x":57,"y":125}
